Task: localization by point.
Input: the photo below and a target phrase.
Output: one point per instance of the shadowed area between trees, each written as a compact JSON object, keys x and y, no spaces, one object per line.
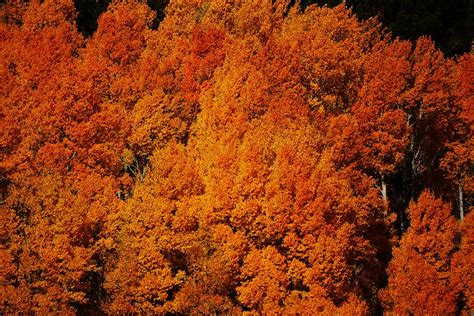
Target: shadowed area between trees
{"x":449,"y":23}
{"x":90,"y":10}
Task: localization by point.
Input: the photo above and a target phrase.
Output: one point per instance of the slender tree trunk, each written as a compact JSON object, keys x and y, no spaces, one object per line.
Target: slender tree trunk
{"x":384,"y":189}
{"x":461,"y":201}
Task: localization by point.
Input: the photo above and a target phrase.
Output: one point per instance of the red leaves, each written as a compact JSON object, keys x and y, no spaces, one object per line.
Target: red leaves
{"x":420,"y":269}
{"x":120,"y":37}
{"x":206,"y":54}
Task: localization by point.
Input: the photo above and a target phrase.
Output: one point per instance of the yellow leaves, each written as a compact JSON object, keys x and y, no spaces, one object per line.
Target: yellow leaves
{"x":156,"y":121}
{"x":107,"y":243}
{"x":158,"y":228}
{"x":78,"y":297}
{"x":127,"y":157}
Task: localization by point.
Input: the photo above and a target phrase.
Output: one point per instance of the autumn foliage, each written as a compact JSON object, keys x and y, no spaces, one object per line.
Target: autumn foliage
{"x":242,"y":157}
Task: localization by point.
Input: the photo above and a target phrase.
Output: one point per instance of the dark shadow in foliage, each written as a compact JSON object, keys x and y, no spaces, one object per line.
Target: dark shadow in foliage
{"x":93,"y":280}
{"x":88,"y":13}
{"x":449,"y":23}
{"x":90,"y":10}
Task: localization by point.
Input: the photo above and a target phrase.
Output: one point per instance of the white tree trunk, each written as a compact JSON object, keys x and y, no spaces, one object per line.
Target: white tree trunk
{"x":384,"y":189}
{"x":461,"y":202}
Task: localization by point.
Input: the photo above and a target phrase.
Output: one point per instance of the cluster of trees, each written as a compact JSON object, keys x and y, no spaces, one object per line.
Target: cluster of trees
{"x":449,"y":23}
{"x":244,"y":156}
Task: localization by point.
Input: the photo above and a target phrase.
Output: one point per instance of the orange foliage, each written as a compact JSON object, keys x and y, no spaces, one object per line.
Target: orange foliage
{"x":463,"y":264}
{"x":229,"y":162}
{"x":419,"y":281}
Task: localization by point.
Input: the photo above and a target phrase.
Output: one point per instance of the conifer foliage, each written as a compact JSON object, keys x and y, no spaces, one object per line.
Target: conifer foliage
{"x":244,"y":156}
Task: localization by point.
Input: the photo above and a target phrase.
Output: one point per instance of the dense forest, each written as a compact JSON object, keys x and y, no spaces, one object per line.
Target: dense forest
{"x":449,"y":23}
{"x":234,"y":157}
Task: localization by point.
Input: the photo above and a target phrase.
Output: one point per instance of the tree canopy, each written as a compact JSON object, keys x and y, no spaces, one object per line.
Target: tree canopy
{"x":239,"y":156}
